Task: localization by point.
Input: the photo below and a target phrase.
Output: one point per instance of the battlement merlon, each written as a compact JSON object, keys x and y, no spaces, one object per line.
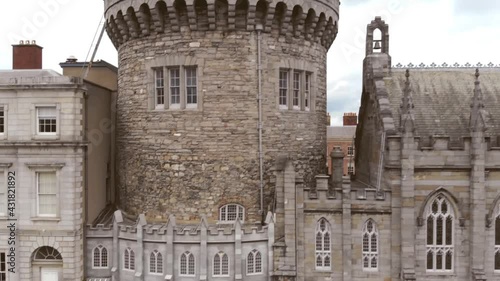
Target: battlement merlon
{"x":313,"y":20}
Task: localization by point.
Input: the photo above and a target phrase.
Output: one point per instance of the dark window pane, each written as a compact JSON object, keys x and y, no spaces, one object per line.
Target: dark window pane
{"x":444,"y":207}
{"x":497,"y":261}
{"x":449,"y":230}
{"x":439,"y":230}
{"x":374,"y":243}
{"x":497,"y":231}
{"x":439,"y":260}
{"x":449,"y":258}
{"x":430,"y":230}
{"x":430,"y":260}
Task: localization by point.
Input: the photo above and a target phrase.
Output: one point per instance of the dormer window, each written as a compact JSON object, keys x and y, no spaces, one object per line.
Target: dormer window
{"x":231,"y":212}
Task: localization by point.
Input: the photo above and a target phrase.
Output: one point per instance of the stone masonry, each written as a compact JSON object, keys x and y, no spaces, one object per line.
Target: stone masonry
{"x":192,"y":161}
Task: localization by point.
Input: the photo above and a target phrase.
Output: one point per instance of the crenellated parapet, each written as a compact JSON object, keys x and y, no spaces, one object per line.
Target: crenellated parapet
{"x":313,"y":20}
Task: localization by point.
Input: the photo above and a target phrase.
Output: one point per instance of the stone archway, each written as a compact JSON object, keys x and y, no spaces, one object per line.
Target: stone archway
{"x":46,"y":264}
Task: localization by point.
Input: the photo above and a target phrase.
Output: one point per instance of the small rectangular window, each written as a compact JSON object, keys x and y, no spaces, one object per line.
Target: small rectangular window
{"x":175,"y":86}
{"x":283,"y":88}
{"x":47,"y":120}
{"x":191,"y":86}
{"x":2,"y":121}
{"x":46,"y":193}
{"x":307,"y":91}
{"x":159,"y":87}
{"x":296,"y":89}
{"x":350,"y":170}
{"x":350,"y":150}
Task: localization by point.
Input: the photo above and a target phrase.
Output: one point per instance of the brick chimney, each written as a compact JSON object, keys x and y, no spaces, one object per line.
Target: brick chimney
{"x":350,"y":119}
{"x":26,"y":55}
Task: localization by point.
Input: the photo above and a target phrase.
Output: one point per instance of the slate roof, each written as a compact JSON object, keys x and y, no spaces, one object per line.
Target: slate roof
{"x":443,"y":97}
{"x":341,"y":131}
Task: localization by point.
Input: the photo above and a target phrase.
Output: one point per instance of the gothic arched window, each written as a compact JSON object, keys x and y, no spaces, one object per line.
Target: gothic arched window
{"x":440,"y":225}
{"x":156,"y":262}
{"x":323,"y":249}
{"x":100,"y":256}
{"x":254,"y":262}
{"x":129,"y":259}
{"x":370,"y":245}
{"x":221,"y":264}
{"x":187,"y":267}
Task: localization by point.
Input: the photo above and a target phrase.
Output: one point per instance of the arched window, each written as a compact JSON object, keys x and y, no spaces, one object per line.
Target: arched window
{"x":440,"y":224}
{"x":156,"y":262}
{"x":254,"y":262}
{"x":187,"y":264}
{"x":370,"y":246}
{"x":229,"y":213}
{"x":323,"y":249}
{"x":497,"y":241}
{"x":129,"y":259}
{"x":100,"y":256}
{"x":221,"y":264}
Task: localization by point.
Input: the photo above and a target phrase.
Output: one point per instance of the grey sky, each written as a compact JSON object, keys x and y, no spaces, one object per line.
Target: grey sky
{"x":420,"y":31}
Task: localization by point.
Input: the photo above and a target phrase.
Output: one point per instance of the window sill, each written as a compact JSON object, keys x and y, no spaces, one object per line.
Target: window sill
{"x":45,"y":137}
{"x":46,"y":219}
{"x":253,"y":274}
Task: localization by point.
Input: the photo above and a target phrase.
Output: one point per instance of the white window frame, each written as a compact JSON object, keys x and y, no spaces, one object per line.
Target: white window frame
{"x":174,"y":105}
{"x":51,"y":117}
{"x":156,"y":262}
{"x":3,"y":264}
{"x":283,"y":88}
{"x":159,"y":86}
{"x":435,"y":248}
{"x":254,"y":266}
{"x":350,"y":151}
{"x":307,"y":91}
{"x":130,"y":266}
{"x":99,"y":249}
{"x":188,"y":266}
{"x":350,"y":169}
{"x":219,"y":258}
{"x":370,"y":245}
{"x":224,"y":213}
{"x":36,"y":134}
{"x":168,"y":87}
{"x":296,"y":89}
{"x":323,"y":250}
{"x":191,"y":105}
{"x":55,"y":194}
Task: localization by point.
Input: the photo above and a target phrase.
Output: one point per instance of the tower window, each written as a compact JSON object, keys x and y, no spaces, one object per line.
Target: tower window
{"x":229,"y":213}
{"x":294,"y":89}
{"x":175,"y":87}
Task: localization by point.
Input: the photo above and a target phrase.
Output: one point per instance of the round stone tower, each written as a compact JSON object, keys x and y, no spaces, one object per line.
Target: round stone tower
{"x":204,"y":87}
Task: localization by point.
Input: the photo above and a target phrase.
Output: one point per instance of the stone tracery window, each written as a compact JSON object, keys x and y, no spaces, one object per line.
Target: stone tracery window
{"x":129,"y":259}
{"x":440,"y":241}
{"x":370,"y":246}
{"x":254,"y":262}
{"x":323,"y":247}
{"x":100,"y":257}
{"x":187,"y":264}
{"x":47,"y":253}
{"x":221,"y":264}
{"x":156,"y":262}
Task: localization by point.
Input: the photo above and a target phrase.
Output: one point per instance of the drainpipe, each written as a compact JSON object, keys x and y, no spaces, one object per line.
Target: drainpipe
{"x":259,"y":28}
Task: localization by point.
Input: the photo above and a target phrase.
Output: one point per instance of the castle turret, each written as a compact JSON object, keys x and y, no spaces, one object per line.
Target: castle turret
{"x":210,"y":93}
